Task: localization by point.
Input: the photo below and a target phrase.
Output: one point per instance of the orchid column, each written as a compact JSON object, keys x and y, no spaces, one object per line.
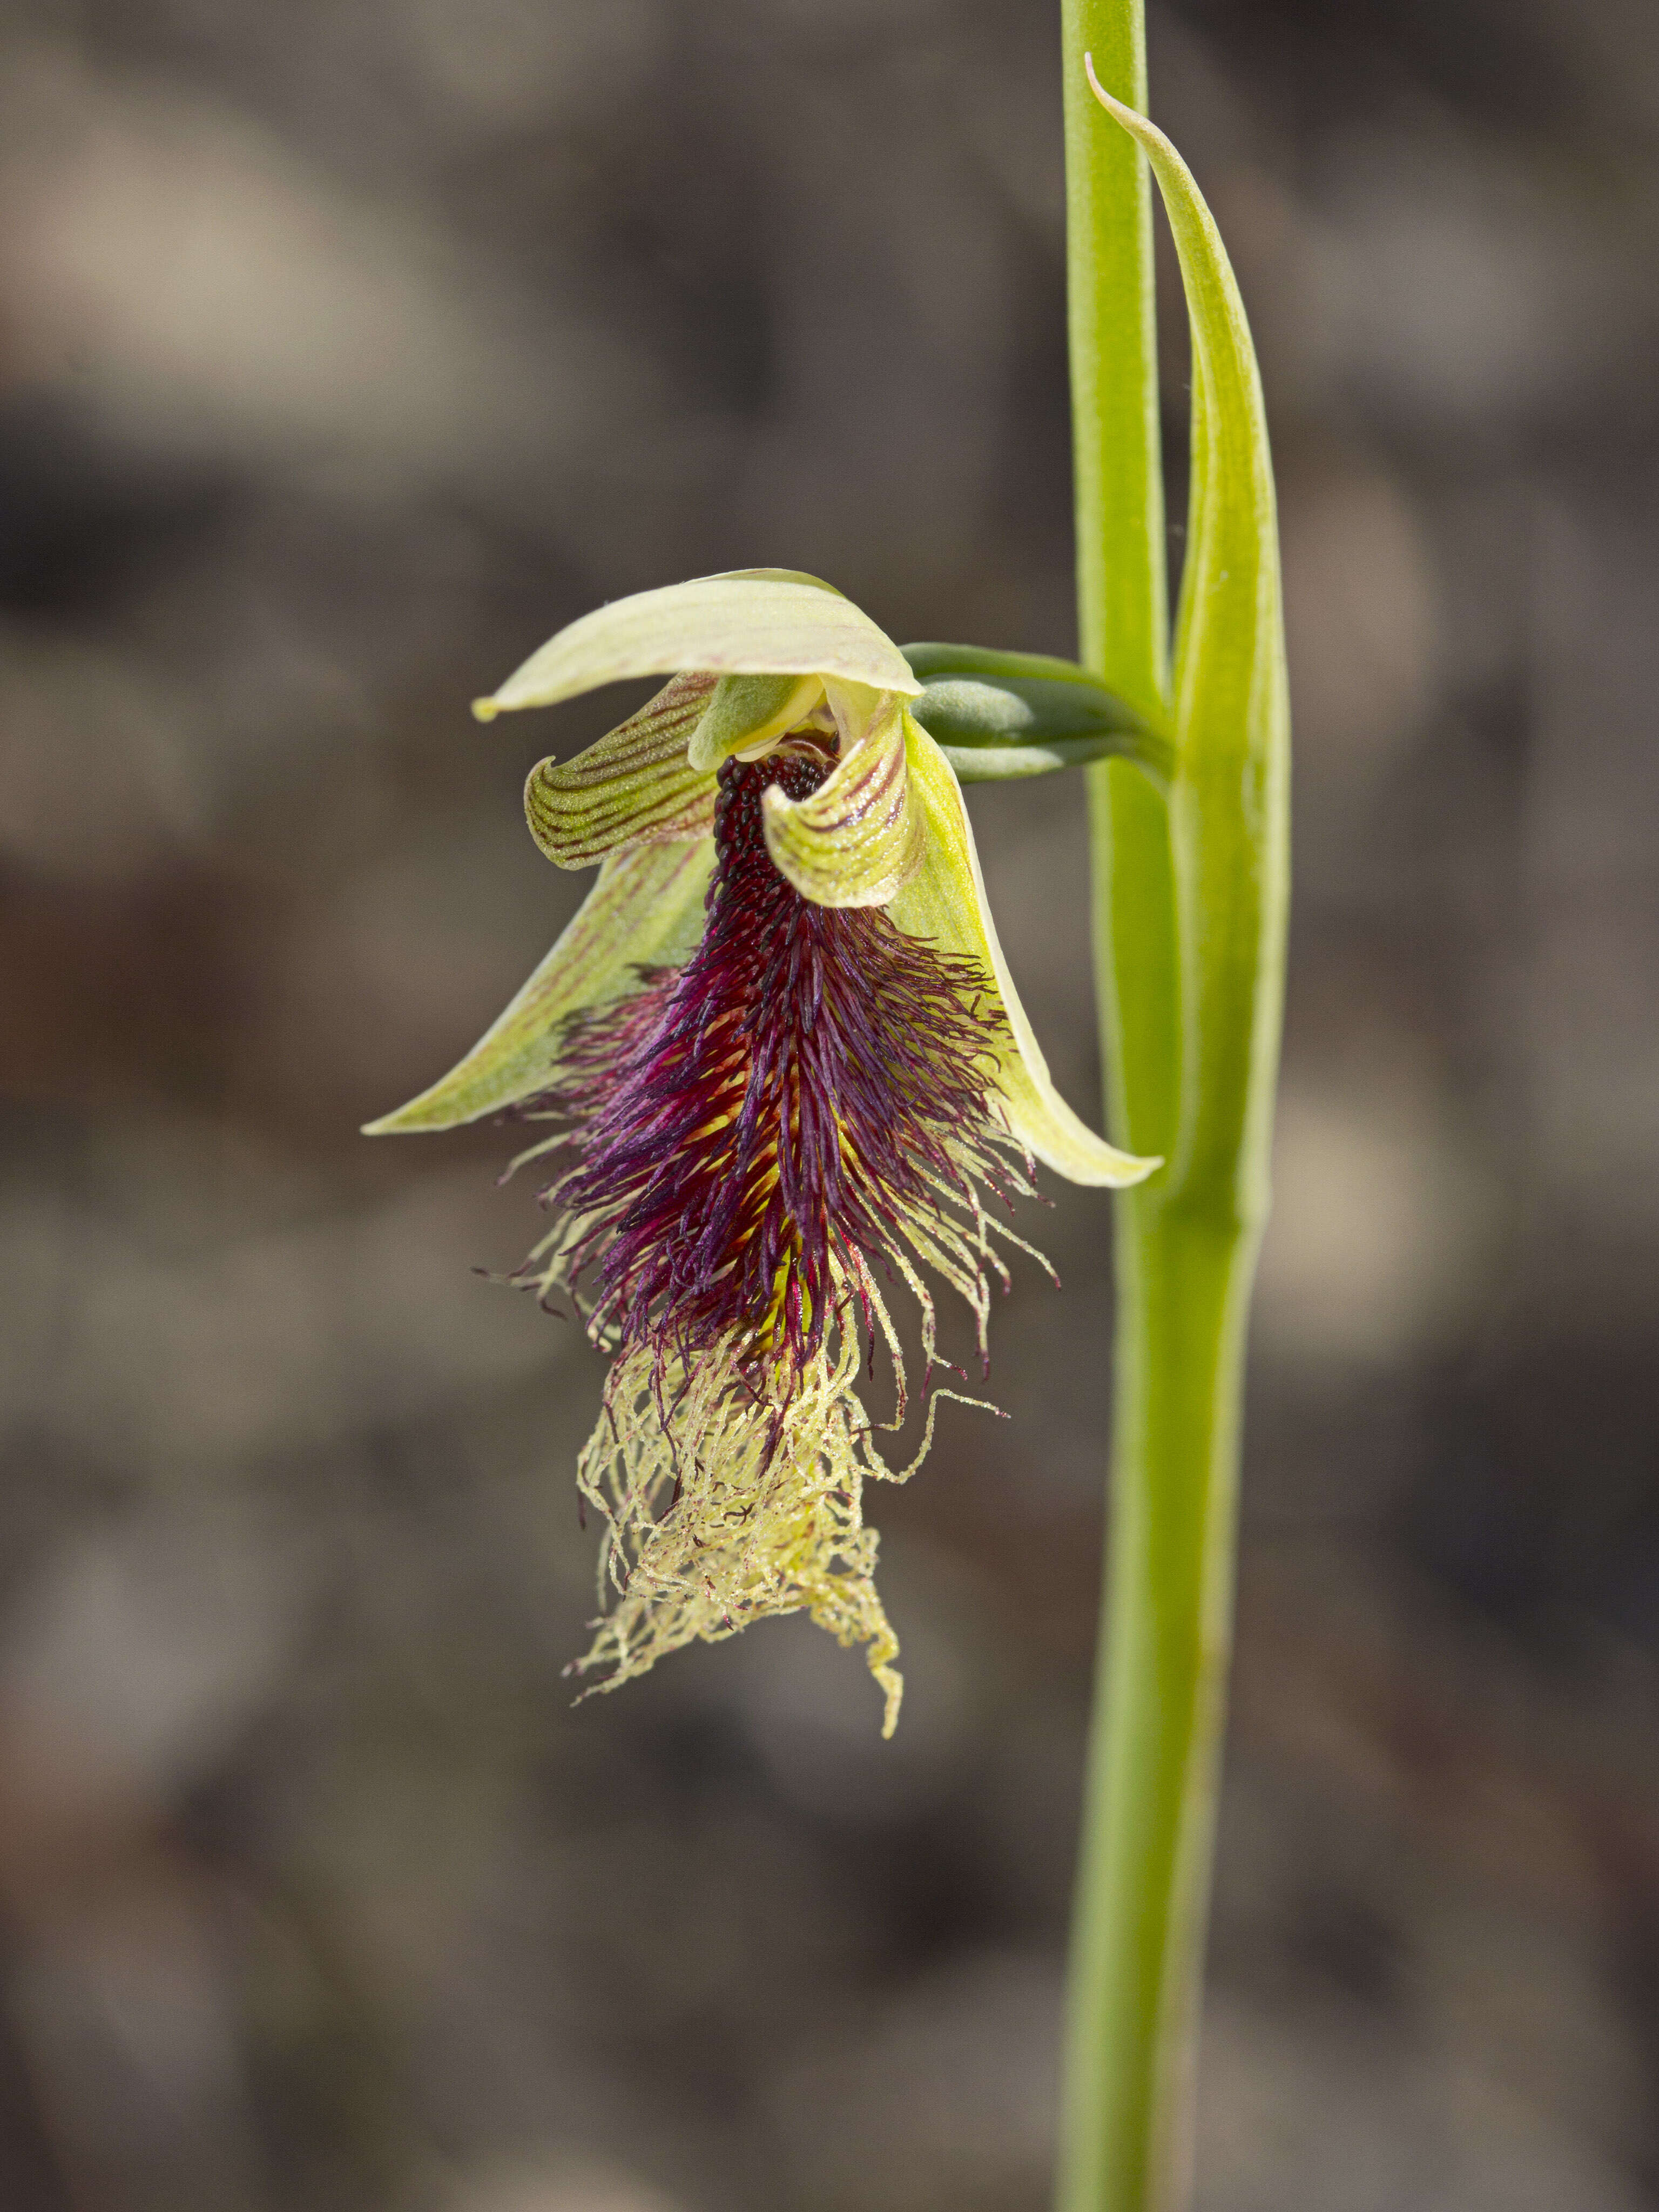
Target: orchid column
{"x":1190,"y":893}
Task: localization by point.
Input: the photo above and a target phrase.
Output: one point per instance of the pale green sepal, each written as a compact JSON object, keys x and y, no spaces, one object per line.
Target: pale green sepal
{"x":947,"y":905}
{"x":1228,"y":802}
{"x":857,"y":839}
{"x":646,"y":910}
{"x":728,"y":625}
{"x":751,"y":710}
{"x":633,"y":786}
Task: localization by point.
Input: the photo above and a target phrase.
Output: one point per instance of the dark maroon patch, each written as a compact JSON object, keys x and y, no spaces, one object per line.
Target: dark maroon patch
{"x":811,"y":1079}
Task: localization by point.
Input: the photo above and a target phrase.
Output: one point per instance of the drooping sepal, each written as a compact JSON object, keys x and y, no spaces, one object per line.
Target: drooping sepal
{"x":857,"y":839}
{"x":745,"y":623}
{"x":646,"y":910}
{"x":946,"y":904}
{"x":998,"y":715}
{"x":633,"y":787}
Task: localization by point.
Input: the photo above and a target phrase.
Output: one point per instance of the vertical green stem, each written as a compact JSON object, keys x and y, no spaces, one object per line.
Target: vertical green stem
{"x":1116,"y":457}
{"x":1188,"y":923}
{"x":1183,"y":1288}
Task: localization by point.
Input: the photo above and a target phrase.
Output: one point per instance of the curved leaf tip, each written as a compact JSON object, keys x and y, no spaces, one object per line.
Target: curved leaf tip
{"x":1230,"y":797}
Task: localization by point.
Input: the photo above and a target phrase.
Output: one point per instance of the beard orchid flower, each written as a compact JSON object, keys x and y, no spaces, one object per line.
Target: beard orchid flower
{"x":789,"y":1069}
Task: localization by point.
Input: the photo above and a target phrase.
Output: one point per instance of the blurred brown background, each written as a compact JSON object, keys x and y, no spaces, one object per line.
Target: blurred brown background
{"x":347,"y":349}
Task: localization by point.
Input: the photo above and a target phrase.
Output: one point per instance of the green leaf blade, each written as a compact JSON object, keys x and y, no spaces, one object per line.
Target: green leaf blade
{"x":1230,"y":797}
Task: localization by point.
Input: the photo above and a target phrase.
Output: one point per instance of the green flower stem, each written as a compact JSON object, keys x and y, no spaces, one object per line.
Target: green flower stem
{"x":1183,"y":1289}
{"x":1189,"y":919}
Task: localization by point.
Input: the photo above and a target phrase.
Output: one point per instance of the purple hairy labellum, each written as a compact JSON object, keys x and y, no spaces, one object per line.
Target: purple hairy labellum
{"x":763,"y":1138}
{"x":809,"y":1079}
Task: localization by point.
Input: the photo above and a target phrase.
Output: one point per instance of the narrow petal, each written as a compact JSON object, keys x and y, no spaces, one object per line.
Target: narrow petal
{"x":857,"y":839}
{"x":740,"y":624}
{"x":632,"y":788}
{"x":645,"y":911}
{"x":946,"y":904}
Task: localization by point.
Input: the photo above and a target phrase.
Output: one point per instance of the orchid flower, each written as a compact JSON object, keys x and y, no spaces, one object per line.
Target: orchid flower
{"x":789,"y":1066}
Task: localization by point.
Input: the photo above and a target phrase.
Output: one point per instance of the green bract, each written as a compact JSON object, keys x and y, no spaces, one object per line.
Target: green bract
{"x":752,"y":658}
{"x":999,"y":715}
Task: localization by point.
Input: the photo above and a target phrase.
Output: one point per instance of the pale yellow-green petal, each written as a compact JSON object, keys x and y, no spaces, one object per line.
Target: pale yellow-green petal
{"x":633,"y":787}
{"x":945,"y":903}
{"x":736,"y":624}
{"x":646,"y":910}
{"x":857,"y":839}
